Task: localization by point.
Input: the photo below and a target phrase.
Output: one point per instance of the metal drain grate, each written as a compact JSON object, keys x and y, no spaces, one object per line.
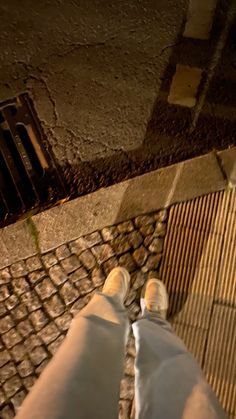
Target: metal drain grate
{"x":29,"y":179}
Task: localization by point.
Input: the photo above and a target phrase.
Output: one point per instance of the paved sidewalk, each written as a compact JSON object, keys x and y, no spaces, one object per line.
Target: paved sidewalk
{"x":199,"y":269}
{"x":40,"y":295}
{"x":52,"y":263}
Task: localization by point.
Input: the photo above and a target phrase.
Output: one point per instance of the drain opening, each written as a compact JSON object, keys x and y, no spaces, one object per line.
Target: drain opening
{"x":33,"y":160}
{"x":29,"y":178}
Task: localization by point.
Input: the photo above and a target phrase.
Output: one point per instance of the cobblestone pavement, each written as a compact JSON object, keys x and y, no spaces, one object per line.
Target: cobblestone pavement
{"x":40,"y":295}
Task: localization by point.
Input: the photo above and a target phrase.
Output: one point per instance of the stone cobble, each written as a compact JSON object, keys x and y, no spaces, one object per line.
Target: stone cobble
{"x":40,"y":296}
{"x":5,"y":276}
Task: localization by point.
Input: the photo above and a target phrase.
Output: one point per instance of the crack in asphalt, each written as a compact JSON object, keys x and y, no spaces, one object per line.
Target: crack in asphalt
{"x":168,"y":47}
{"x":74,"y":46}
{"x":53,"y":102}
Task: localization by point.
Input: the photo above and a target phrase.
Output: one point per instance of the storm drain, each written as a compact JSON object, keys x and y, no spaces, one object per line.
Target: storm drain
{"x":199,"y":270}
{"x":29,"y":178}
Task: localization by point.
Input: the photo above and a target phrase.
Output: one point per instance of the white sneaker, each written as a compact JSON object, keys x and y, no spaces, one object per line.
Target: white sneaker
{"x":117,"y":283}
{"x":154,"y":297}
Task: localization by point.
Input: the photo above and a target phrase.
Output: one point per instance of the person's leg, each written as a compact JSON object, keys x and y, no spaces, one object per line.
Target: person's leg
{"x":82,"y":381}
{"x":168,"y":382}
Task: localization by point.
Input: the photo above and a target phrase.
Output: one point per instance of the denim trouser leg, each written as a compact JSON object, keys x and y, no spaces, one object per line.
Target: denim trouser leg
{"x":82,"y":381}
{"x":169,"y":384}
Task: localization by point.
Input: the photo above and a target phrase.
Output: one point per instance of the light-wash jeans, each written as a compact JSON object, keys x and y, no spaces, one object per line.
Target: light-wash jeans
{"x":82,"y":380}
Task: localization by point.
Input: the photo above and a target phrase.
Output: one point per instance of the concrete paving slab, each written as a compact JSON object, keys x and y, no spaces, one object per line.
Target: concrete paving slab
{"x":208,"y":220}
{"x":232,"y":205}
{"x":225,"y":391}
{"x":226,"y":284}
{"x":193,"y":256}
{"x":196,"y":310}
{"x":221,"y":339}
{"x":193,"y":337}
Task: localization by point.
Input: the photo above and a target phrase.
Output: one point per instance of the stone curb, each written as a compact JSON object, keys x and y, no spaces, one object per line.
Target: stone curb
{"x":108,"y":206}
{"x":228,"y":164}
{"x":16,"y":243}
